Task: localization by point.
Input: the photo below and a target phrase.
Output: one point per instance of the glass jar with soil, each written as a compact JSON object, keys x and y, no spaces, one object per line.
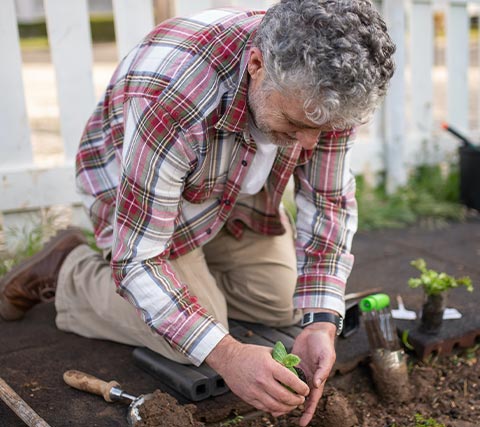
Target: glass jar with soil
{"x":388,"y":361}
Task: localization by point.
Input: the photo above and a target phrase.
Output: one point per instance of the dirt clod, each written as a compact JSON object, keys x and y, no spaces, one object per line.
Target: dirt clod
{"x":335,"y":410}
{"x":163,"y":410}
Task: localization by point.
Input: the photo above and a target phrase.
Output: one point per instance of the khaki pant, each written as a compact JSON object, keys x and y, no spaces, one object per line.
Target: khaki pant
{"x":251,"y":279}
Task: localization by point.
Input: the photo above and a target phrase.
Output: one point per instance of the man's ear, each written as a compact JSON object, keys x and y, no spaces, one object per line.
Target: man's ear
{"x":255,"y":64}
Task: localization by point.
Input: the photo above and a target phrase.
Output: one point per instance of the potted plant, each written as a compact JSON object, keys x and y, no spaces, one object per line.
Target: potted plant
{"x":435,"y":287}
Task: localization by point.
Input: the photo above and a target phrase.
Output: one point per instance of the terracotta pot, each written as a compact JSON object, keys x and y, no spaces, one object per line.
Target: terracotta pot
{"x":432,"y":313}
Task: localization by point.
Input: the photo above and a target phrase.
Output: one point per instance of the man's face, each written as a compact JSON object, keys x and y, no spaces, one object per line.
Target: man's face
{"x":282,"y":118}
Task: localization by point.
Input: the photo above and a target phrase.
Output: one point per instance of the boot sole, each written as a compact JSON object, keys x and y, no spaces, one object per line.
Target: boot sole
{"x":7,"y":310}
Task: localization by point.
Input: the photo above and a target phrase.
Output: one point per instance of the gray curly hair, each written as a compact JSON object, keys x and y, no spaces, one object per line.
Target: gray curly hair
{"x":336,"y":53}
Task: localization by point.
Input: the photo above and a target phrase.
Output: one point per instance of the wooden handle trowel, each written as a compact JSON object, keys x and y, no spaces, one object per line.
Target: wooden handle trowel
{"x":110,"y":391}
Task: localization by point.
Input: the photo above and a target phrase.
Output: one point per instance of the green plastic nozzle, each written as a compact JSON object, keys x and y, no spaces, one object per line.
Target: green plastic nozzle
{"x":374,"y":302}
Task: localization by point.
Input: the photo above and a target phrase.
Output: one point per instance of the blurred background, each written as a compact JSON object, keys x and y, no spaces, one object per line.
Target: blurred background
{"x":58,"y":57}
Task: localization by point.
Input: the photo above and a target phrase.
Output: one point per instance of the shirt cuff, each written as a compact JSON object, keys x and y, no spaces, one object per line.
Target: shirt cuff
{"x":321,"y":301}
{"x":207,"y":344}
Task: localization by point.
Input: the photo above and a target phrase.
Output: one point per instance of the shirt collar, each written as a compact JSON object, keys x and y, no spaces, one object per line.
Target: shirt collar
{"x":235,"y":117}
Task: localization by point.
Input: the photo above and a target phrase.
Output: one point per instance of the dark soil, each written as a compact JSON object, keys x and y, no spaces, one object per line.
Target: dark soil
{"x":446,"y":390}
{"x":34,"y":354}
{"x":161,"y":409}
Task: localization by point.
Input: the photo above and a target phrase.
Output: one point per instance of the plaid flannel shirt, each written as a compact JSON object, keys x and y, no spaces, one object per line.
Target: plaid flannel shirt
{"x":161,"y":163}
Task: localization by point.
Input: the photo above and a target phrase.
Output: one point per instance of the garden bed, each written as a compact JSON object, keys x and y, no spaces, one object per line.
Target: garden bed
{"x":34,"y":354}
{"x":445,"y":391}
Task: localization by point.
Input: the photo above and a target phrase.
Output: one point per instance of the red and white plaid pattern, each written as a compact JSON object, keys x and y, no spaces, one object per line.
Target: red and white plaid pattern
{"x":162,"y":161}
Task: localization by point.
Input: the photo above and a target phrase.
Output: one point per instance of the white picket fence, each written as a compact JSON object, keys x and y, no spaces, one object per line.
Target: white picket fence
{"x":404,"y":131}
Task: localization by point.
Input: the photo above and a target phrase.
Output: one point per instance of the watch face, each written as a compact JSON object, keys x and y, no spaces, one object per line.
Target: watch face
{"x":309,"y":318}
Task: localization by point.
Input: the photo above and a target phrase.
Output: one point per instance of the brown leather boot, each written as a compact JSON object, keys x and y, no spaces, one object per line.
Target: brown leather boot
{"x":35,"y":279}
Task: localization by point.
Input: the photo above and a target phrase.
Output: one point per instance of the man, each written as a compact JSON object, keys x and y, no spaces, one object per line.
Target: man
{"x":182,"y":168}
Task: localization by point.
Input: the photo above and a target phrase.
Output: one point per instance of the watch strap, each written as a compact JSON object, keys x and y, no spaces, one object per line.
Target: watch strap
{"x":309,"y":318}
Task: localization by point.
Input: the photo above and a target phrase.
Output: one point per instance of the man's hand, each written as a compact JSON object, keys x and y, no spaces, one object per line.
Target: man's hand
{"x":254,"y":376}
{"x":316,"y":348}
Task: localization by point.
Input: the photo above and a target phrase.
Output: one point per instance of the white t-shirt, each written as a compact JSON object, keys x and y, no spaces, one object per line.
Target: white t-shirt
{"x":262,"y":162}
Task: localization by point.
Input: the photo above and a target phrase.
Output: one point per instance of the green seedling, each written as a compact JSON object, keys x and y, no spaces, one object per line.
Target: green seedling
{"x":238,"y":419}
{"x":288,"y":360}
{"x":420,"y":421}
{"x":471,"y":353}
{"x":433,"y":282}
{"x":405,"y":340}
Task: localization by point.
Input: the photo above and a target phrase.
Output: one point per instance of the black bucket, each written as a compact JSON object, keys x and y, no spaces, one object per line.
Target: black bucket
{"x":470,"y":177}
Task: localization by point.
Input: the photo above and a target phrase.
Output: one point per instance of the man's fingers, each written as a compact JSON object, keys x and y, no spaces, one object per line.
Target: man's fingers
{"x":320,"y":376}
{"x":311,"y":406}
{"x":318,"y":380}
{"x":268,"y":403}
{"x":262,"y":380}
{"x":313,"y":398}
{"x":289,"y":379}
{"x":286,"y":396}
{"x":289,"y":398}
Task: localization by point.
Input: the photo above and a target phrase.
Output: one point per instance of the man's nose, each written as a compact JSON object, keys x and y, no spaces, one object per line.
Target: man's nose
{"x":308,"y":138}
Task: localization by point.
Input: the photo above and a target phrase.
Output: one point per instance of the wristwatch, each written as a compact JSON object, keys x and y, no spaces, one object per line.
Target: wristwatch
{"x":309,"y":318}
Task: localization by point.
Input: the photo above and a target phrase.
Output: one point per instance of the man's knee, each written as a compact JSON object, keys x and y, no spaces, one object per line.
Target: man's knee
{"x":265,"y":297}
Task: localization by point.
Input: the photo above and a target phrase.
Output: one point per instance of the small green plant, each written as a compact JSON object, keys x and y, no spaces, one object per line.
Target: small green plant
{"x":238,"y":419}
{"x":435,"y":283}
{"x":471,"y":353}
{"x":405,"y":341}
{"x":288,"y":360}
{"x":421,"y":421}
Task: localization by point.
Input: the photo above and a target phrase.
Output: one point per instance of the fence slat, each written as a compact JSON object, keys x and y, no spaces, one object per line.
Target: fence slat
{"x":15,"y":148}
{"x":71,"y":48}
{"x":254,"y":4}
{"x":133,"y":20}
{"x":25,"y":190}
{"x":37,"y":187}
{"x":457,"y":64}
{"x":421,"y":53}
{"x":387,"y":145}
{"x":188,"y":7}
{"x":394,"y":14}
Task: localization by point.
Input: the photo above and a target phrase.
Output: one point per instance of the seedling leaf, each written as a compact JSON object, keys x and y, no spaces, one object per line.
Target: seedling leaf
{"x":291,"y":360}
{"x":280,"y":354}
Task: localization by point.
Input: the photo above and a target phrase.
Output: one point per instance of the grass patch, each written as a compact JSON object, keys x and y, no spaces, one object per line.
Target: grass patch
{"x":34,"y":43}
{"x":31,"y":238}
{"x":34,"y":36}
{"x":430,"y":196}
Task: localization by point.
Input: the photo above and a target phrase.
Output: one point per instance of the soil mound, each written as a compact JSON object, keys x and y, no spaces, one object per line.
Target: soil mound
{"x":164,"y":410}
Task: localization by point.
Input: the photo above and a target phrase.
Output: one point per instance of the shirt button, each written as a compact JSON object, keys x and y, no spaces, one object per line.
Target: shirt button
{"x":227,"y":202}
{"x":209,"y":231}
{"x":244,"y":163}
